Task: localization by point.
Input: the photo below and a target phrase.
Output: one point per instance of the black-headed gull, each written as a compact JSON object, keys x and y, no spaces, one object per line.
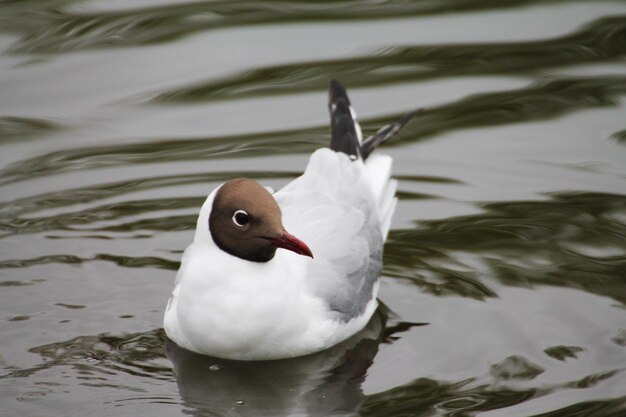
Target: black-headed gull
{"x":237,"y":297}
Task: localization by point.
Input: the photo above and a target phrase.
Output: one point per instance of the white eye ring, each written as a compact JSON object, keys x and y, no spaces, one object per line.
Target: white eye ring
{"x":240,"y":218}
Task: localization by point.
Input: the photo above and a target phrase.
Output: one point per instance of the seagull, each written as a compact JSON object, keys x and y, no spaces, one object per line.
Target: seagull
{"x":273,"y":275}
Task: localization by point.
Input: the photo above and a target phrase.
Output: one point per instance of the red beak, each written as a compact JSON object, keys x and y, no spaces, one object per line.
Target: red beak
{"x":292,"y":243}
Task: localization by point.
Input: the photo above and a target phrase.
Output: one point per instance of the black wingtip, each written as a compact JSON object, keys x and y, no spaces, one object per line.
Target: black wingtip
{"x":336,"y":92}
{"x":344,"y":137}
{"x":386,"y":132}
{"x":343,"y":127}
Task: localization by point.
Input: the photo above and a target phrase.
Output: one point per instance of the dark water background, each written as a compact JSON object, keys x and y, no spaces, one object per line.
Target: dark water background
{"x":117,"y":118}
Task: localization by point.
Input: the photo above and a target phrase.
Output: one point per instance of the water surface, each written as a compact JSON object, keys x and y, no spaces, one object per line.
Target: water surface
{"x":504,"y":278}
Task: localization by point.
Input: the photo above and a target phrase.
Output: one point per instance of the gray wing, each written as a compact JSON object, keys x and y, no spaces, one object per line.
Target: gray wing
{"x":331,"y":207}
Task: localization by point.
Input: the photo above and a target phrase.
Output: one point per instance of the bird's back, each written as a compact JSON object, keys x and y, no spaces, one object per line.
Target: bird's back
{"x":342,"y":207}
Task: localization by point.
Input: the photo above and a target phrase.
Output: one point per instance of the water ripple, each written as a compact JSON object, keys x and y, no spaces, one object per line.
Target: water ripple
{"x":77,"y":220}
{"x":518,"y":243}
{"x":135,"y":354}
{"x":69,"y":197}
{"x":241,"y":146}
{"x":424,"y":396}
{"x":541,"y":101}
{"x":124,"y":261}
{"x":51,"y":28}
{"x":601,"y":41}
{"x":12,"y":128}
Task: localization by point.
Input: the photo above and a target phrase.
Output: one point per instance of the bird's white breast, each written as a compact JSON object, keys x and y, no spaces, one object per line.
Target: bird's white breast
{"x":256,"y":311}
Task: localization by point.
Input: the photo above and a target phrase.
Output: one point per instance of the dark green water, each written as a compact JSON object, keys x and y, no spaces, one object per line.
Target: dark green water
{"x":505,"y":271}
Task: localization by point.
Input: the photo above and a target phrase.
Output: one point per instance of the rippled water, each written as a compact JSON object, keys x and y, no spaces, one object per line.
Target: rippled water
{"x":504,"y":280}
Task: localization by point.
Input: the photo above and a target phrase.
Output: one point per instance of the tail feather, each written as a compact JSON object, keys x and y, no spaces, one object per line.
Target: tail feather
{"x":346,"y":133}
{"x":378,"y":168}
{"x":346,"y":137}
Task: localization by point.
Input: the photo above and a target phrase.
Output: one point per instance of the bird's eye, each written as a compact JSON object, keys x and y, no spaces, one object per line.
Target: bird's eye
{"x":241,"y":218}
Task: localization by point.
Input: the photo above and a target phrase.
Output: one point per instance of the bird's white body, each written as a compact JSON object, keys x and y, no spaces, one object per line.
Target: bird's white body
{"x":292,"y":305}
{"x":227,"y":311}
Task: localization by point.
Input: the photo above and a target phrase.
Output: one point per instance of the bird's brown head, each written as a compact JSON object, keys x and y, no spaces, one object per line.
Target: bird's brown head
{"x":245,"y":221}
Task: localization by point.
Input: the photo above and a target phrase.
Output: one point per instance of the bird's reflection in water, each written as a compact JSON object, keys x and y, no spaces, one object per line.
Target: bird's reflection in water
{"x":324,"y":383}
